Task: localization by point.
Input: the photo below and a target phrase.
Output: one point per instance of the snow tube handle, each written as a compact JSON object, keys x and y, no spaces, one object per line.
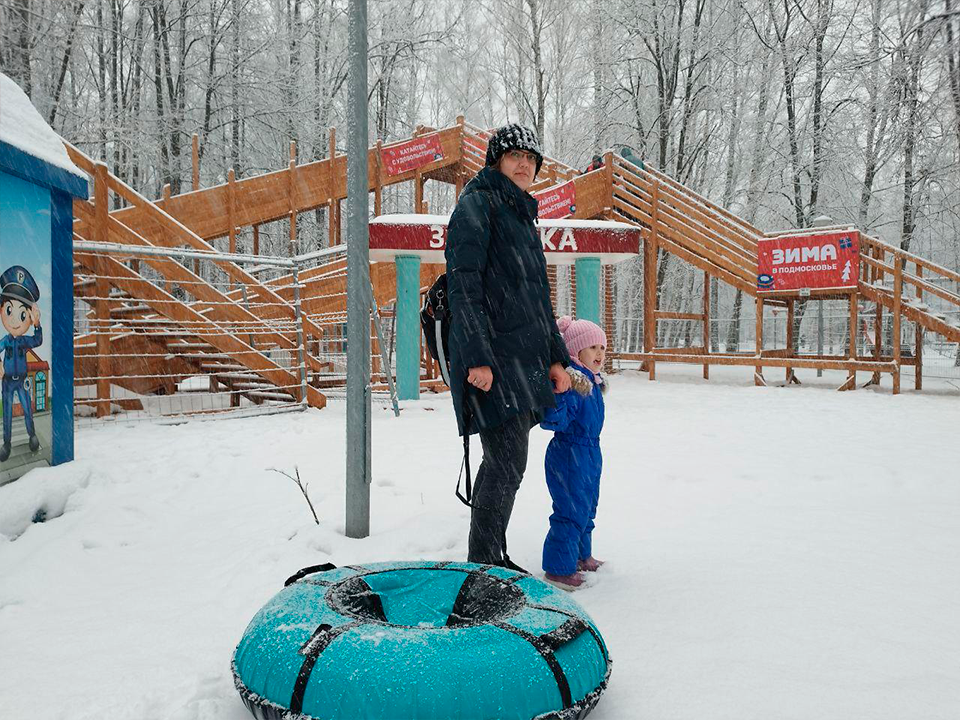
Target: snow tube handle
{"x":302,"y":573}
{"x":560,"y":636}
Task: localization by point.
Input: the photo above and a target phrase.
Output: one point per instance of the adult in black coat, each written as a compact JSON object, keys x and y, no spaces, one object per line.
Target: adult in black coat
{"x":507,"y":357}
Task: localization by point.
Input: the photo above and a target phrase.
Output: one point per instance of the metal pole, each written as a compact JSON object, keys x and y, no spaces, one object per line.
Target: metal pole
{"x":301,"y":349}
{"x":358,"y":269}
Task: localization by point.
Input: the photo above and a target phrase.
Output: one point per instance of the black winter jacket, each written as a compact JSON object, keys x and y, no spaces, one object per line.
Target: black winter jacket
{"x":500,"y":303}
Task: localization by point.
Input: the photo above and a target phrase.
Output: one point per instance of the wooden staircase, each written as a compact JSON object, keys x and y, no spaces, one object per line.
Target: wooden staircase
{"x":146,"y":339}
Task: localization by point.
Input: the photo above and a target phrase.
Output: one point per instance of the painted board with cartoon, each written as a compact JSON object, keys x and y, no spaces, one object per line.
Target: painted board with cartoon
{"x":25,"y":294}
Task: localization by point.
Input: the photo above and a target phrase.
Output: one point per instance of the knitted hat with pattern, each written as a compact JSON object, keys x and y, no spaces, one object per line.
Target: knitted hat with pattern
{"x":513,"y":137}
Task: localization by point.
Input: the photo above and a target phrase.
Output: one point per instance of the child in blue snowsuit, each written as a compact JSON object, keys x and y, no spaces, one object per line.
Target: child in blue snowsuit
{"x":573,"y":460}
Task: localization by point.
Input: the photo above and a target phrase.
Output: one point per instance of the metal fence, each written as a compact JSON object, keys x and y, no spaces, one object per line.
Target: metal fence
{"x":819,"y":335}
{"x":215,"y":340}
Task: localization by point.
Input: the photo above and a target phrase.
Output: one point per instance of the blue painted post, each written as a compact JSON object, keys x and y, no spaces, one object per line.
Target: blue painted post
{"x":408,"y":327}
{"x":588,"y":289}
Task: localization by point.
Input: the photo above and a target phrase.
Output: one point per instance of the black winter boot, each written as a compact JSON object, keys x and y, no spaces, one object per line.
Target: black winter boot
{"x":34,"y":443}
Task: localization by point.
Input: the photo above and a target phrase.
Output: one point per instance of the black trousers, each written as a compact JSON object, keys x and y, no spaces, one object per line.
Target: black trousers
{"x":498,"y":479}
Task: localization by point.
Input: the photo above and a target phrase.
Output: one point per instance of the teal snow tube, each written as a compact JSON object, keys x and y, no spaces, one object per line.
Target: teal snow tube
{"x":424,"y":640}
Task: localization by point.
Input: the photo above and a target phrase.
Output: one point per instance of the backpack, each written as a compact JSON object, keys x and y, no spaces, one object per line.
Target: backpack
{"x":435,"y":322}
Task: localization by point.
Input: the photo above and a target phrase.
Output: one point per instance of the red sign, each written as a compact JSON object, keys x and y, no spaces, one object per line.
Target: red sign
{"x":815,"y":261}
{"x":557,"y":202}
{"x":428,"y":237}
{"x":410,"y":237}
{"x":413,"y":154}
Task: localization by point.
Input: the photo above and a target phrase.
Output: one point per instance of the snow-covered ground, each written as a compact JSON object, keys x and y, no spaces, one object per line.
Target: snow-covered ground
{"x":772,"y":552}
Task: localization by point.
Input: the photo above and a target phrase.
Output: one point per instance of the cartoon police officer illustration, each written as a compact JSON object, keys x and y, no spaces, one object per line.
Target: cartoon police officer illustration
{"x":18,"y":313}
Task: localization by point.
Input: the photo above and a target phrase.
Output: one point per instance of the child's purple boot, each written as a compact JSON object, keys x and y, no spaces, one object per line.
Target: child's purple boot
{"x":571,"y":582}
{"x":591,"y":564}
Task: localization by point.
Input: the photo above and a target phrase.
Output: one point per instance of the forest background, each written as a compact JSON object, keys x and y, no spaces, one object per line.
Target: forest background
{"x":784,"y":111}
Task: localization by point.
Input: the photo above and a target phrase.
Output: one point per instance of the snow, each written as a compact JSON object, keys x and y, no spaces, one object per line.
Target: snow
{"x":415,"y":219}
{"x":410,"y":219}
{"x":588,"y":224}
{"x":772,"y":552}
{"x":23,"y":127}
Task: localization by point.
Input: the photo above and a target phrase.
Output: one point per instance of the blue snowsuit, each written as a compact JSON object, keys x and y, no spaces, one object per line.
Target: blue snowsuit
{"x":14,"y":375}
{"x":573,"y":465}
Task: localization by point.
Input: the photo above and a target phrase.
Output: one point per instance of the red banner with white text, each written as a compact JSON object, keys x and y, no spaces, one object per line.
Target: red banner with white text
{"x":398,"y":159}
{"x":557,"y":202}
{"x":814,"y":261}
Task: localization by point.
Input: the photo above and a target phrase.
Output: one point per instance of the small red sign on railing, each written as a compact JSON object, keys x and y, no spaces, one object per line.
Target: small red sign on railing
{"x":398,"y":159}
{"x":816,"y":261}
{"x":557,"y":202}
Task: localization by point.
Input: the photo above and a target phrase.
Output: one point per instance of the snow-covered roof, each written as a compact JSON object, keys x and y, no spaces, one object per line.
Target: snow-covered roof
{"x":23,"y":127}
{"x":422,"y":219}
{"x":410,"y":219}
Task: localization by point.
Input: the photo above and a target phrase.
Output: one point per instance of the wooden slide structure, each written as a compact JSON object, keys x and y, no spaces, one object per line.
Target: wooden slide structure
{"x":155,"y":320}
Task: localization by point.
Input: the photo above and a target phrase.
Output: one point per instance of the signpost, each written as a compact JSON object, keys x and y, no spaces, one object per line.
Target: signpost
{"x":358,"y":283}
{"x":409,"y":240}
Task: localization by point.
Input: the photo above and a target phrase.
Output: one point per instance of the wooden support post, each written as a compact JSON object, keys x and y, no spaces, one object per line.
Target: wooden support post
{"x":877,"y":339}
{"x":458,"y":169}
{"x":758,"y":370}
{"x":338,"y":225}
{"x":791,"y":317}
{"x":897,"y":292}
{"x":608,"y":190}
{"x":196,"y":162}
{"x":256,"y":239}
{"x":418,"y":183}
{"x":918,"y":352}
{"x":854,"y":322}
{"x":232,"y":229}
{"x":650,"y":283}
{"x":166,"y":203}
{"x":292,"y":194}
{"x":101,"y":306}
{"x":706,"y":323}
{"x":378,"y":180}
{"x":333,"y":219}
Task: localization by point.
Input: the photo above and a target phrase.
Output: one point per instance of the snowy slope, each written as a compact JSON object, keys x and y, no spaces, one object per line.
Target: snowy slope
{"x":773,"y":552}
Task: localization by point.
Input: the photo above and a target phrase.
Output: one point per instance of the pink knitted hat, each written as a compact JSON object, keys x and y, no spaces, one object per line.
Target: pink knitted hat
{"x":580,"y":334}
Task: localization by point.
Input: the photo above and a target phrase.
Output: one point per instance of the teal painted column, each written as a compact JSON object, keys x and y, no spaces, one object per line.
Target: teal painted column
{"x":408,"y":327}
{"x":588,"y":289}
